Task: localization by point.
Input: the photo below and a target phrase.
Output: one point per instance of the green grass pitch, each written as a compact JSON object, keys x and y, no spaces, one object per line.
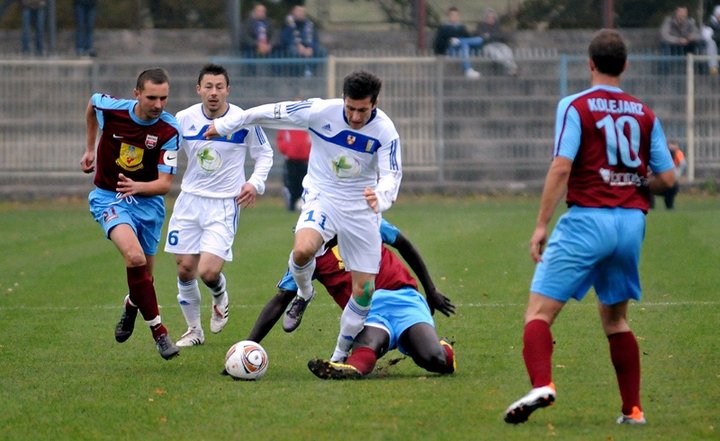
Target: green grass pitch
{"x":63,"y":376}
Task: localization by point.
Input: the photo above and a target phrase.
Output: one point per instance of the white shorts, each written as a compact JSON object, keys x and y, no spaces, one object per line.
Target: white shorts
{"x":357,"y":228}
{"x":201,"y":224}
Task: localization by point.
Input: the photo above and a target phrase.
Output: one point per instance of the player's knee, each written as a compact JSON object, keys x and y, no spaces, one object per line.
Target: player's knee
{"x":302,"y":255}
{"x":433,"y":361}
{"x":135,"y":258}
{"x":210,"y":276}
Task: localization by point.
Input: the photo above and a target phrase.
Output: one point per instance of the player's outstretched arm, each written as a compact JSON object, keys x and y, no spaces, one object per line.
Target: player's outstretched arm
{"x":270,"y":314}
{"x":436,"y":299}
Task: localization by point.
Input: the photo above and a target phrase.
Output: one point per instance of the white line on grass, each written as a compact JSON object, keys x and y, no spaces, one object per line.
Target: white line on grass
{"x":462,"y":305}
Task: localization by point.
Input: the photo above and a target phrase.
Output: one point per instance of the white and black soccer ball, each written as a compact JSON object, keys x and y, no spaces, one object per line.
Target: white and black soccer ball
{"x":246,"y":360}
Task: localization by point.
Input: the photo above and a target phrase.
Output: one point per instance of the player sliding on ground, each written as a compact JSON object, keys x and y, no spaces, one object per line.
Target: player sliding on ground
{"x":421,"y":343}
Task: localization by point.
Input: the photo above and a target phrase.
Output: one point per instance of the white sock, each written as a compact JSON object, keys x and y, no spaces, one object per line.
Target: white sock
{"x":303,"y":277}
{"x":189,"y":300}
{"x":352,"y":321}
{"x":220,"y":286}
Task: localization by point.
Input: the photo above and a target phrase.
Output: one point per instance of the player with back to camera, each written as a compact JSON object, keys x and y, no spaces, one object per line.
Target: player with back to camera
{"x":214,"y":190}
{"x":610,"y":153}
{"x":399,"y":315}
{"x":136,"y":159}
{"x":354,"y":174}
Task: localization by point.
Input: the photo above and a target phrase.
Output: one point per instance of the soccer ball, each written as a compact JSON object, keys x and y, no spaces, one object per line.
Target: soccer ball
{"x":246,"y":360}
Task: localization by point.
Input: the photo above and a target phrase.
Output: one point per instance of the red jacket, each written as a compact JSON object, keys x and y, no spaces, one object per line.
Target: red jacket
{"x":294,"y":144}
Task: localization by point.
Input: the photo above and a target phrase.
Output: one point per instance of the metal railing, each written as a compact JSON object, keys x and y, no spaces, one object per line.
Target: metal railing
{"x":495,"y":132}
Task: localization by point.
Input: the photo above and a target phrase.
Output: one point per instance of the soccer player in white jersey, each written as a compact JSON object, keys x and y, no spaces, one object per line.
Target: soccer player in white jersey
{"x":214,"y":189}
{"x":354,"y":174}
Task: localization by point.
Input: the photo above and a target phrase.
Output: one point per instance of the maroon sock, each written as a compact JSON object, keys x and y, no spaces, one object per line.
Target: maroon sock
{"x":537,"y":352}
{"x":625,"y":356}
{"x":142,"y":292}
{"x":363,"y":359}
{"x":158,"y":330}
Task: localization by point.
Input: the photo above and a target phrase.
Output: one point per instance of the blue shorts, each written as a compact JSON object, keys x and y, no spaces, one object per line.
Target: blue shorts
{"x":144,"y":214}
{"x":593,"y":247}
{"x":396,"y":311}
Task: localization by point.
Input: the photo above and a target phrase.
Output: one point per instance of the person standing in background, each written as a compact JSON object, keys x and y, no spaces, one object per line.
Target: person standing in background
{"x":257,"y":35}
{"x":33,"y":16}
{"x":295,"y":146}
{"x":680,"y":166}
{"x":85,"y":13}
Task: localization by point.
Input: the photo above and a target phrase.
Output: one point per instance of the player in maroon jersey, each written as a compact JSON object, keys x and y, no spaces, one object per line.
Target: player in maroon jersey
{"x":606,"y":144}
{"x":419,"y":339}
{"x":136,"y":159}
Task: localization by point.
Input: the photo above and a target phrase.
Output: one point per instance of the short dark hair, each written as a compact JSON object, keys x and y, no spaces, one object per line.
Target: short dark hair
{"x":155,"y":75}
{"x":213,"y":69}
{"x":362,"y":84}
{"x":608,"y":51}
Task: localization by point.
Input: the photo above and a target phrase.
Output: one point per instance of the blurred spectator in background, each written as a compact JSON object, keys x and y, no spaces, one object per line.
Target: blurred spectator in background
{"x":4,"y":5}
{"x":295,"y":146}
{"x":679,"y":34}
{"x":711,"y":34}
{"x":300,"y":38}
{"x":85,"y":13}
{"x":680,"y":166}
{"x":454,"y":39}
{"x":33,"y":15}
{"x":496,"y":45}
{"x":257,"y":34}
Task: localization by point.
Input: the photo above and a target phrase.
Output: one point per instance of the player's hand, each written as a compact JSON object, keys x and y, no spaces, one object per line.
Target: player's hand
{"x":126,"y":186}
{"x":211,"y":131}
{"x":247,"y":196}
{"x":87,"y":163}
{"x":437,"y":300}
{"x":537,"y":243}
{"x":377,"y":201}
{"x":371,"y":198}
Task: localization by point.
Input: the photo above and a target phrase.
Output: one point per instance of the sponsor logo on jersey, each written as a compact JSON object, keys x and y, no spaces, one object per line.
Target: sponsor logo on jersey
{"x":151,"y":141}
{"x":209,"y":159}
{"x":327,"y":128}
{"x":622,"y":179}
{"x":345,"y":167}
{"x":351,"y":139}
{"x":130,"y":157}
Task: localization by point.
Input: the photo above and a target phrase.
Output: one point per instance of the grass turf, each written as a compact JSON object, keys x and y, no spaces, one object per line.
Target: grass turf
{"x":62,"y":375}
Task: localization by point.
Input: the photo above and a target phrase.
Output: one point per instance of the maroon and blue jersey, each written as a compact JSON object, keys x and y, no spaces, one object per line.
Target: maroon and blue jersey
{"x":613,"y":140}
{"x":128,"y":145}
{"x":330,"y":272}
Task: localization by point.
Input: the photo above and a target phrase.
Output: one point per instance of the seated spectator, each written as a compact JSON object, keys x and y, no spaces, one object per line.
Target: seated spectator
{"x":496,"y":42}
{"x":454,"y":39}
{"x":711,"y":34}
{"x":257,"y":34}
{"x":33,"y":15}
{"x":679,"y":34}
{"x":300,"y":38}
